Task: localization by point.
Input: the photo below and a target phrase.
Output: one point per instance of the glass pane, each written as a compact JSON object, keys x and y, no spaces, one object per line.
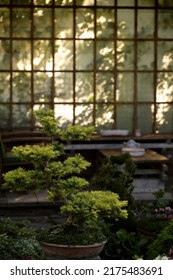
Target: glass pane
{"x":21,"y":55}
{"x":21,"y":23}
{"x":64,"y":2}
{"x":84,"y":114}
{"x":42,"y":2}
{"x":105,"y":23}
{"x":145,"y":23}
{"x":165,"y":59}
{"x":105,"y":55}
{"x":145,"y":90}
{"x":165,"y":24}
{"x":63,"y":87}
{"x":125,"y":2}
{"x":84,"y":23}
{"x":4,"y":87}
{"x":4,"y":2}
{"x":4,"y":22}
{"x":164,"y":91}
{"x":84,"y":87}
{"x":145,"y":112}
{"x":21,"y":2}
{"x":105,"y":87}
{"x":164,"y":118}
{"x":4,"y":116}
{"x":105,"y":2}
{"x":21,"y":115}
{"x":145,"y":55}
{"x":42,"y":55}
{"x":42,"y":93}
{"x":104,"y":116}
{"x":124,"y":117}
{"x":125,"y":55}
{"x":146,"y":3}
{"x":63,"y":55}
{"x":165,"y":3}
{"x":64,"y":112}
{"x":5,"y":54}
{"x":85,"y":2}
{"x":42,"y":16}
{"x":126,"y":23}
{"x":63,"y":23}
{"x":125,"y":87}
{"x":84,"y":55}
{"x":21,"y":87}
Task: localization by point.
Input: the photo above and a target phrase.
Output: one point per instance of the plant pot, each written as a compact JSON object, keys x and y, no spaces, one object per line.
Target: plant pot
{"x":88,"y":252}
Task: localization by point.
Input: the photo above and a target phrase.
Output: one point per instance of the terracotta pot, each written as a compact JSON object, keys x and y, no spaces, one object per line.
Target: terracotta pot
{"x":72,"y":252}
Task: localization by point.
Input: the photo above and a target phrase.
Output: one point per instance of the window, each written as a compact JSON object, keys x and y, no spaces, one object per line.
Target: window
{"x":108,"y":63}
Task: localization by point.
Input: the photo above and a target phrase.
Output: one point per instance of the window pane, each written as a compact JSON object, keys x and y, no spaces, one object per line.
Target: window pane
{"x":145,"y":118}
{"x":104,"y":116}
{"x":84,"y":23}
{"x":84,"y":55}
{"x":42,"y":93}
{"x":164,"y":91}
{"x":84,"y":87}
{"x":105,"y":87}
{"x":21,"y":55}
{"x":4,"y":22}
{"x":42,"y":55}
{"x":105,"y":55}
{"x":63,"y":55}
{"x":21,"y":87}
{"x":21,"y":23}
{"x":64,"y":113}
{"x":165,"y":58}
{"x":4,"y":87}
{"x":164,"y":118}
{"x":64,"y":3}
{"x":165,"y":24}
{"x":124,"y":117}
{"x":84,"y":114}
{"x":85,"y":2}
{"x":5,"y":54}
{"x":42,"y":16}
{"x":145,"y":24}
{"x":126,"y":23}
{"x":145,"y":90}
{"x":4,"y":116}
{"x":125,"y":55}
{"x":165,"y":3}
{"x":42,"y":2}
{"x":21,"y":115}
{"x":125,"y":2}
{"x":63,"y":87}
{"x":145,"y":55}
{"x":146,"y":3}
{"x":105,"y":23}
{"x":63,"y":23}
{"x":125,"y":87}
{"x":21,"y":2}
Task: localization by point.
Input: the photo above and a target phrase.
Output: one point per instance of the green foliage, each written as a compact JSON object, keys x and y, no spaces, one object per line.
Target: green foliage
{"x":115,"y":174}
{"x":163,"y":243}
{"x":76,"y":132}
{"x":89,"y":207}
{"x":18,"y":241}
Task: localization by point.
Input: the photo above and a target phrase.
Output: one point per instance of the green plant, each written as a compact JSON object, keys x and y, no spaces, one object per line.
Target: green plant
{"x":163,"y":243}
{"x":61,"y":177}
{"x":18,"y":241}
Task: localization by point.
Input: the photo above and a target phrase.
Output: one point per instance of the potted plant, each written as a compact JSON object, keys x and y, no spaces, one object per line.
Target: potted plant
{"x":61,"y":176}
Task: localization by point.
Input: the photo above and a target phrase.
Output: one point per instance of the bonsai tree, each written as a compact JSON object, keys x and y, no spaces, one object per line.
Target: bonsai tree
{"x":61,"y":176}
